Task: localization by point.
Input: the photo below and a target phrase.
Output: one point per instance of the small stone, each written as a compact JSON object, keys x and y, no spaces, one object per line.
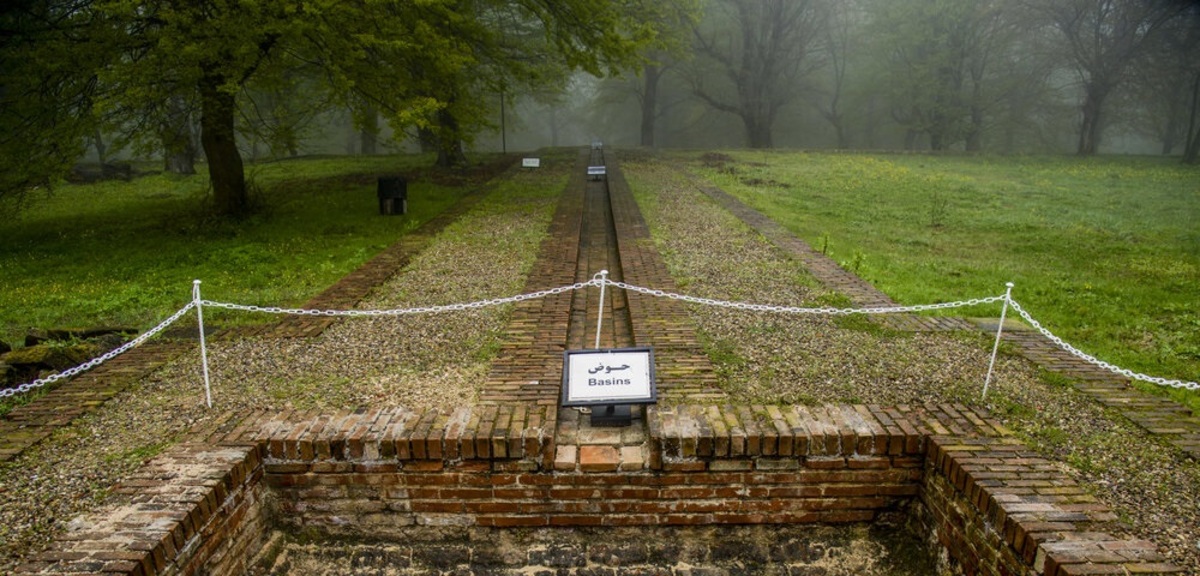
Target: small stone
{"x":79,"y":523}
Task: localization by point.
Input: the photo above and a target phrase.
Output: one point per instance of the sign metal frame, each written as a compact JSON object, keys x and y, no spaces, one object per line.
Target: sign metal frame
{"x":628,"y":358}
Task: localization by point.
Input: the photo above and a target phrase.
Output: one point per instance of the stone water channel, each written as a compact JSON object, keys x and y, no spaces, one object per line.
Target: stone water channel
{"x":599,"y":224}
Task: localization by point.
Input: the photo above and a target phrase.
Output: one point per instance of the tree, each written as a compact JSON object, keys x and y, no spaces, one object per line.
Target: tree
{"x":178,"y":142}
{"x":835,"y":42}
{"x":1103,"y":37}
{"x":939,"y":71}
{"x":420,"y":64}
{"x":763,"y":54}
{"x":1164,"y":81}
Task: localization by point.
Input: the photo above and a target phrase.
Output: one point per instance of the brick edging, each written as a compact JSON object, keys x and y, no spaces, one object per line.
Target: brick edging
{"x":31,"y":423}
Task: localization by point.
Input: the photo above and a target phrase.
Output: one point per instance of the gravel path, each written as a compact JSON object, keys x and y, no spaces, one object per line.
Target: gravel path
{"x":408,"y":360}
{"x":1154,"y":488}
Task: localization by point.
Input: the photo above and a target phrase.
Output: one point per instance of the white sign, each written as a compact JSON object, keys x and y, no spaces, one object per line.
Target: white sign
{"x":597,"y":170}
{"x":617,"y":376}
{"x":531,"y":162}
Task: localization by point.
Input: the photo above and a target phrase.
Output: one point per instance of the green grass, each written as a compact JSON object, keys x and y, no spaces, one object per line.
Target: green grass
{"x":125,"y":253}
{"x":1105,"y":252}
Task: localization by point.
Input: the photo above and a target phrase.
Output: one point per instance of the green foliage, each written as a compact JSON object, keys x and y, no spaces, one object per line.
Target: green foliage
{"x":45,"y":103}
{"x":126,"y":253}
{"x":149,"y":68}
{"x":943,"y":71}
{"x":1104,"y":252}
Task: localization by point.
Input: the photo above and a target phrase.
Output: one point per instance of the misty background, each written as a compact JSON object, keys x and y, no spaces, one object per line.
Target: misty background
{"x":993,"y":76}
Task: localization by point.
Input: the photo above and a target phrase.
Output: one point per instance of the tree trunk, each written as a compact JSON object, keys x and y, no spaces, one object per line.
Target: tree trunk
{"x":367,"y":140}
{"x":450,"y":149}
{"x":368,"y":137}
{"x":181,"y":161}
{"x":975,"y":131}
{"x":225,"y":171}
{"x":179,"y":150}
{"x":839,"y":127}
{"x":101,"y":148}
{"x":427,"y":139}
{"x":649,"y":103}
{"x":1191,"y":147}
{"x":758,"y":131}
{"x":553,"y":126}
{"x":1172,"y":130}
{"x":910,"y":139}
{"x":936,"y":142}
{"x":1091,"y":128}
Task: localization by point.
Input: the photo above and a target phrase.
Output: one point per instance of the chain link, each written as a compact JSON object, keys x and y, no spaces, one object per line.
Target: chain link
{"x":826,"y":310}
{"x":403,"y":311}
{"x":99,"y":359}
{"x":1097,"y":362}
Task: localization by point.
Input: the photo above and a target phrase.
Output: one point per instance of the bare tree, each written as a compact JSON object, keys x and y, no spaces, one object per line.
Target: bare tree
{"x":762,"y":55}
{"x":1103,"y":38}
{"x":651,"y":74}
{"x":835,"y":42}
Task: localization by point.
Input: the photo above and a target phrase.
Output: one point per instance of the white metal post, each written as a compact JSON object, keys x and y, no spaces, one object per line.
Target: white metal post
{"x":600,"y":313}
{"x":203,"y":344}
{"x":999,"y":332}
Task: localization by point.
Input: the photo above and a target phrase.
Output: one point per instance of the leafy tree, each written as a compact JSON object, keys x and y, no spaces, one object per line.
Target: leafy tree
{"x":939,"y":72}
{"x":420,"y":64}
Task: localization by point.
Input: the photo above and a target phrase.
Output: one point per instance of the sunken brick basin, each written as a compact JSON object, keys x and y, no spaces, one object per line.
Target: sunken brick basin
{"x":980,"y":500}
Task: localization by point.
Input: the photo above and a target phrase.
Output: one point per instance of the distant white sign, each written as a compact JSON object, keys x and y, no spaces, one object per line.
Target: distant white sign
{"x":597,"y":170}
{"x":531,"y":162}
{"x":616,"y":376}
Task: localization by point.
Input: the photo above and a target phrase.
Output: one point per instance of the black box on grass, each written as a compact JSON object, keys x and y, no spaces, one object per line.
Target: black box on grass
{"x":393,"y":195}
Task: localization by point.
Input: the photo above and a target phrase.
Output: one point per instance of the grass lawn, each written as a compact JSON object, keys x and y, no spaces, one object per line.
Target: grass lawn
{"x":1105,"y":252}
{"x":125,"y":253}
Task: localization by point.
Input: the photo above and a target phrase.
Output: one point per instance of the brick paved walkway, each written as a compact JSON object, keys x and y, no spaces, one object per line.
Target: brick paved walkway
{"x":1158,"y":415}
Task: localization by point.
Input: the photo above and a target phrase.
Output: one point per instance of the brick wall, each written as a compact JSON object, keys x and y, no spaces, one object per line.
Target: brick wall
{"x":992,"y":507}
{"x":382,"y":500}
{"x":987,"y":504}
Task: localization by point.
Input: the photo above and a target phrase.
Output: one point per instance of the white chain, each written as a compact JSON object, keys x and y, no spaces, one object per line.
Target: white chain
{"x":599,"y":282}
{"x":99,"y":359}
{"x":826,"y":310}
{"x":1093,"y":360}
{"x":404,"y":311}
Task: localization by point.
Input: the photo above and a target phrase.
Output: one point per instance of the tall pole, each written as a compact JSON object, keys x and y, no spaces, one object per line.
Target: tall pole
{"x":503,"y":128}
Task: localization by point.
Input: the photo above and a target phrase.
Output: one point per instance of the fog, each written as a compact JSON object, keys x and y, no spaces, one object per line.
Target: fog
{"x":987,"y":76}
{"x":1043,"y":76}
